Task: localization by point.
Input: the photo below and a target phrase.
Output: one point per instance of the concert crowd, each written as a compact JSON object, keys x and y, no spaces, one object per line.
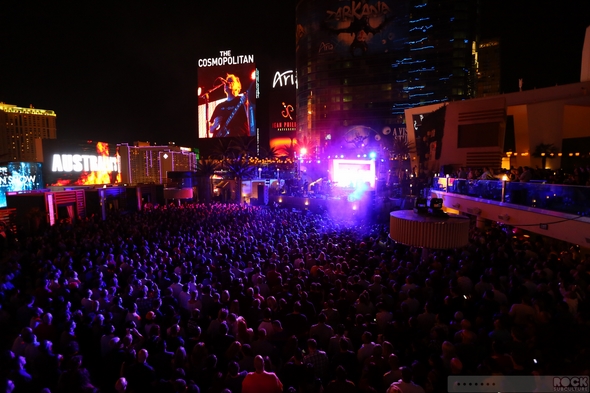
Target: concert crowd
{"x":231,"y":298}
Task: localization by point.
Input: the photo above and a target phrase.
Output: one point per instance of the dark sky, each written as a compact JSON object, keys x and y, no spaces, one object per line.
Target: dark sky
{"x":125,"y":71}
{"x":541,"y":41}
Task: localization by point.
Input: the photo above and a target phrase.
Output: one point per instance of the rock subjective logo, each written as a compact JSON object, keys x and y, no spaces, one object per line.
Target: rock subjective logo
{"x":521,"y":383}
{"x":570,"y":384}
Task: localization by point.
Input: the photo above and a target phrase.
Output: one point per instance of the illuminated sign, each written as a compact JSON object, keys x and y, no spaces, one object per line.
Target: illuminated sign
{"x":286,"y":78}
{"x":19,"y":176}
{"x":83,"y":163}
{"x":74,"y":164}
{"x":282,"y":113}
{"x":16,"y":179}
{"x":359,"y":11}
{"x":288,"y":111}
{"x":227,"y":93}
{"x":291,"y":125}
{"x":225,"y":58}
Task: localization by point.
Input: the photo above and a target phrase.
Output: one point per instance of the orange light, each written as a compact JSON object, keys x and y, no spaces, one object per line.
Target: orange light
{"x":253,"y":75}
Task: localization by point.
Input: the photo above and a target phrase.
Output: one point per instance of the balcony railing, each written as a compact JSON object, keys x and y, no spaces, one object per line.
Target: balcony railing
{"x":552,"y":197}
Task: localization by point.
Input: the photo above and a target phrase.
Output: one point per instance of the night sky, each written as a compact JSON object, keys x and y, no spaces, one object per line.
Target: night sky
{"x":126,"y":71}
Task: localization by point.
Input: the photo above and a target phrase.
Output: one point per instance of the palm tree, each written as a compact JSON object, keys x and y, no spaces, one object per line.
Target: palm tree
{"x":206,"y":169}
{"x":243,"y":146}
{"x":544,"y":151}
{"x":270,"y":153}
{"x":239,"y":169}
{"x":289,"y":150}
{"x":400,"y":150}
{"x":223,"y":149}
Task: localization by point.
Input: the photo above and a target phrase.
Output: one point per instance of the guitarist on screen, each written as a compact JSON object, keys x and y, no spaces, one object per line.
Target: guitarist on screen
{"x":230,"y":117}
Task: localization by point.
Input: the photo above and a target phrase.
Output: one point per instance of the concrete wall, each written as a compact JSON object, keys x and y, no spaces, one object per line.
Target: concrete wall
{"x":576,"y":121}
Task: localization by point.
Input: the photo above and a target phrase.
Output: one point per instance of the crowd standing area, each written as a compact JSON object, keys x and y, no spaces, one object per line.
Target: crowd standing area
{"x":231,"y":298}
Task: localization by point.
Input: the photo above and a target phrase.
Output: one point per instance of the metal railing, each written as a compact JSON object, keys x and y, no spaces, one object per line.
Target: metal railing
{"x":552,"y":197}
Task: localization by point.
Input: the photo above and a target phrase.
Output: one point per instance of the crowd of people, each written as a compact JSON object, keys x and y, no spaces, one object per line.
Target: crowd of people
{"x":218,"y":298}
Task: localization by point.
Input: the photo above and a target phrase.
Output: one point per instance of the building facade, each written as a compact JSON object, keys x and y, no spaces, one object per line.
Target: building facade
{"x":361,"y":64}
{"x":151,"y":164}
{"x":504,"y":130}
{"x":489,"y":70}
{"x":21,"y":129}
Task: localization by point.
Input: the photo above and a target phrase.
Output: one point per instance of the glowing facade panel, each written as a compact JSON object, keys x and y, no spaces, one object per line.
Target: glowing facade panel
{"x":353,"y":173}
{"x":19,"y":176}
{"x":77,"y":164}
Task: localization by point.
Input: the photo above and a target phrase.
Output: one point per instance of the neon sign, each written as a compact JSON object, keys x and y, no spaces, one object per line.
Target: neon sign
{"x":83,"y":163}
{"x":225,"y":58}
{"x":286,"y":78}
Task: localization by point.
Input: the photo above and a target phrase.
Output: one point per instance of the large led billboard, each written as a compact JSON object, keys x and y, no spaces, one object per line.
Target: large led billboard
{"x":353,"y":173}
{"x":228,"y":89}
{"x":19,"y":176}
{"x":349,"y":28}
{"x":80,"y":163}
{"x":282,"y":116}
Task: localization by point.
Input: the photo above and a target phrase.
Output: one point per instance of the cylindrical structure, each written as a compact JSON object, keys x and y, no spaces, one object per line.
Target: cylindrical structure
{"x":428,"y":231}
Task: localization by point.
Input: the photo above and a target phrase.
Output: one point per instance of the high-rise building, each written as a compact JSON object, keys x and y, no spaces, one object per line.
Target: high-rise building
{"x":151,"y":164}
{"x":488,"y":68}
{"x":441,"y":51}
{"x":360,"y":64}
{"x":346,"y":85}
{"x":21,"y":129}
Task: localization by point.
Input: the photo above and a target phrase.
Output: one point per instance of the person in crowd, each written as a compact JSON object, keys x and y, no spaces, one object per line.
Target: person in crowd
{"x":261,"y":381}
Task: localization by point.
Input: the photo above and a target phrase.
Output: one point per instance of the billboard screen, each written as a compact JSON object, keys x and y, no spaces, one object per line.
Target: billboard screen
{"x":19,"y":176}
{"x":79,"y":164}
{"x":228,"y":89}
{"x":429,"y":132}
{"x":348,"y":28}
{"x":353,"y":173}
{"x":283,"y":122}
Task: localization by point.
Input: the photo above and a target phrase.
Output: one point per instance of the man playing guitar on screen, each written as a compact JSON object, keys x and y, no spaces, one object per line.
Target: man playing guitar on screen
{"x":229,"y":117}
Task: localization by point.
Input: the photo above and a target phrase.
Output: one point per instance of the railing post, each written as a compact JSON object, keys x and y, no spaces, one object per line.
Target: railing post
{"x":503,"y":190}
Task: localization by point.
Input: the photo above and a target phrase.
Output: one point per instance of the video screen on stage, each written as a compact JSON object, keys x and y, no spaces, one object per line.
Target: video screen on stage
{"x":353,"y":173}
{"x":227,"y":93}
{"x":71,"y":163}
{"x":19,"y":176}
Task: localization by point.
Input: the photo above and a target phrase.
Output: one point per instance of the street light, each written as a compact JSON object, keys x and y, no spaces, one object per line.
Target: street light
{"x":260,"y":173}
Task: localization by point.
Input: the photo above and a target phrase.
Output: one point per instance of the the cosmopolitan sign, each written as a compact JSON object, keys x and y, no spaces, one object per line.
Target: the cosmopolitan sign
{"x":83,"y":163}
{"x":225,"y":58}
